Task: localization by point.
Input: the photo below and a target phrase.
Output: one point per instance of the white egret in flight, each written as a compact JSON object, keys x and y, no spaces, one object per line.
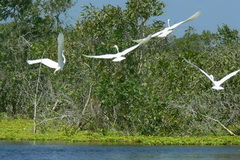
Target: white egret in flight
{"x":50,"y":63}
{"x":116,"y":57}
{"x":166,"y":31}
{"x":120,"y":55}
{"x":170,"y":29}
{"x":216,"y":84}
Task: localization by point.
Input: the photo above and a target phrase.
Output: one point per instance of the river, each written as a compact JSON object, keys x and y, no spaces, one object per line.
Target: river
{"x":30,"y":150}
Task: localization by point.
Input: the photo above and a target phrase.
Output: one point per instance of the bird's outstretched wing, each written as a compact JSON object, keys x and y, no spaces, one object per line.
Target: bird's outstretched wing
{"x":228,"y":76}
{"x":48,"y":62}
{"x":160,"y":32}
{"x":104,"y":56}
{"x":194,"y":16}
{"x":144,"y":40}
{"x":165,"y":33}
{"x":138,"y":40}
{"x":126,"y":51}
{"x":60,"y":48}
{"x":200,"y":70}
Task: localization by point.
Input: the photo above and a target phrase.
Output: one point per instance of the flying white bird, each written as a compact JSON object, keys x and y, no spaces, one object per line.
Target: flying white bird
{"x":50,"y":63}
{"x":166,"y":31}
{"x":216,"y":84}
{"x":116,"y":57}
{"x":170,"y":29}
{"x":120,"y":55}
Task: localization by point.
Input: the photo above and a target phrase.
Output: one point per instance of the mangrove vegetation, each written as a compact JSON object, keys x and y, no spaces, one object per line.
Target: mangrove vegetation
{"x":153,"y":92}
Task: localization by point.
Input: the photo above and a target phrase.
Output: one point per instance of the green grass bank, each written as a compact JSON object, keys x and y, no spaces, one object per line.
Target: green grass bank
{"x":19,"y":129}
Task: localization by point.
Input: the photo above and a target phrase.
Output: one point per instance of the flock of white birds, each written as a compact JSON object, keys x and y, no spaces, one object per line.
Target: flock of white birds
{"x":119,"y":56}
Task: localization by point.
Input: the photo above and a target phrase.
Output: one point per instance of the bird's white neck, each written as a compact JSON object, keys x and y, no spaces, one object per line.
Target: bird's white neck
{"x":212,"y":77}
{"x":116,"y":48}
{"x":64,"y":59}
{"x":169,"y":23}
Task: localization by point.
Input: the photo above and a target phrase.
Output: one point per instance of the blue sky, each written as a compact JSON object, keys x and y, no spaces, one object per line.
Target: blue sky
{"x":214,"y":12}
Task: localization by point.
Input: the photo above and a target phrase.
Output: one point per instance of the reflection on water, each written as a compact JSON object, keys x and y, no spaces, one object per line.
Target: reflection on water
{"x":65,"y":151}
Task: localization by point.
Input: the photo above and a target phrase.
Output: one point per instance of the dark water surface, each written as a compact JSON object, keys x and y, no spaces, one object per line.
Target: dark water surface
{"x":60,"y":151}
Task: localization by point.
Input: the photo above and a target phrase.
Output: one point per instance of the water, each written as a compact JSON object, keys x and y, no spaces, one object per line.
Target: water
{"x":60,"y":151}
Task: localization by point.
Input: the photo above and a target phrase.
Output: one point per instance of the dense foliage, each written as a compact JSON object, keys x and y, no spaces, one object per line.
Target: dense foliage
{"x":153,"y":92}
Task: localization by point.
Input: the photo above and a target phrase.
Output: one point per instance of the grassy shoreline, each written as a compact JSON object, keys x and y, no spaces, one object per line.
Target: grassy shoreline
{"x":21,"y":130}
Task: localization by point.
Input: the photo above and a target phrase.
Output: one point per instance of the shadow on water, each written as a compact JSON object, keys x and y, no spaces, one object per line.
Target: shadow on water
{"x":23,"y":150}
